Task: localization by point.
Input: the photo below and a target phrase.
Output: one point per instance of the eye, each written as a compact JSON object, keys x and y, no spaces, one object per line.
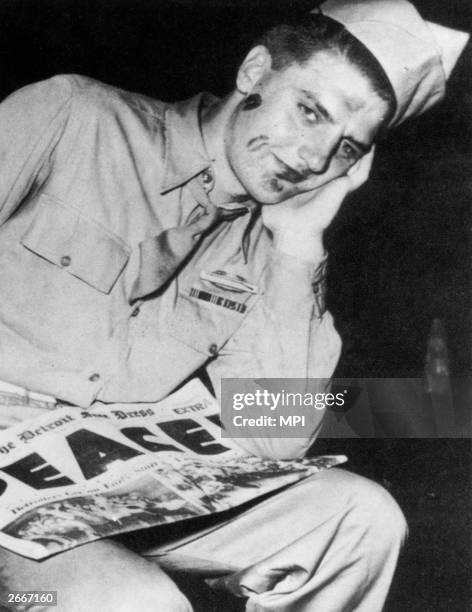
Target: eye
{"x":348,"y":152}
{"x":309,"y":114}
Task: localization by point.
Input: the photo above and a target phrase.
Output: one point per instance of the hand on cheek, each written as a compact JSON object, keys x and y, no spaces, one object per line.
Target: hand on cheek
{"x":298,"y":223}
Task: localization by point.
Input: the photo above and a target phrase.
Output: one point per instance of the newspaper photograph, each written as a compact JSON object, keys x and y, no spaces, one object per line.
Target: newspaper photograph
{"x":72,"y":476}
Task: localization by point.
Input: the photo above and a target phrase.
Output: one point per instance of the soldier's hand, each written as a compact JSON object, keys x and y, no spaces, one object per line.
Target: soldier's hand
{"x":298,"y":224}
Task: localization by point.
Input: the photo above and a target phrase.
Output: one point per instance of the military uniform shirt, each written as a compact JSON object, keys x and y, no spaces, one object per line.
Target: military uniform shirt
{"x":89,"y":172}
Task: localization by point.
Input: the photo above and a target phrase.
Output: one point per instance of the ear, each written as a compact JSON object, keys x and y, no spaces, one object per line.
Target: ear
{"x":258,"y":62}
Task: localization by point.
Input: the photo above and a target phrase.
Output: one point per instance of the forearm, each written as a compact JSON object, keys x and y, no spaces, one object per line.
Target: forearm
{"x":290,"y":315}
{"x":287,"y":335}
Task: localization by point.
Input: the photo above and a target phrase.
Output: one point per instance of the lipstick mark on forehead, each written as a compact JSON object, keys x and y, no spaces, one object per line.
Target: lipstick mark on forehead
{"x":257,"y":142}
{"x":354,"y":104}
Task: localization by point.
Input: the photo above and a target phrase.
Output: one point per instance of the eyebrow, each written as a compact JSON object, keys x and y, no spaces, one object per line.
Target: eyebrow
{"x":322,"y":110}
{"x":362,"y":146}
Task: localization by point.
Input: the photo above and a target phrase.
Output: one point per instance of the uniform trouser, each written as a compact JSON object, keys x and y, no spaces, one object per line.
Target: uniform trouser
{"x":327,"y":544}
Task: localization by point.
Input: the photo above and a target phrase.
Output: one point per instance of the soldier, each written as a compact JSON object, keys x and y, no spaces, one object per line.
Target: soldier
{"x":142,"y":240}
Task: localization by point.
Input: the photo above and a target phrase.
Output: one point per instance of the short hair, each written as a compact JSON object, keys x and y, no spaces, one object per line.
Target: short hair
{"x":297,"y":41}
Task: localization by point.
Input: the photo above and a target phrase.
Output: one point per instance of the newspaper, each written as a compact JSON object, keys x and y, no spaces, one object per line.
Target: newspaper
{"x":72,"y":476}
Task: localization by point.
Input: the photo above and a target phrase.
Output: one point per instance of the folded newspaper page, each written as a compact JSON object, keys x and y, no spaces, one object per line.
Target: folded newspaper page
{"x":72,"y":476}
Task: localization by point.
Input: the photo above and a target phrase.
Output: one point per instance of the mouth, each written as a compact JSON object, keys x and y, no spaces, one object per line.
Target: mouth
{"x":287,"y":173}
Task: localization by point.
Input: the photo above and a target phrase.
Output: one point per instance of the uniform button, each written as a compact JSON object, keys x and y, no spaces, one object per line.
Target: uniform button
{"x":135,"y":312}
{"x":213,"y":349}
{"x":65,"y":261}
{"x":94,"y":377}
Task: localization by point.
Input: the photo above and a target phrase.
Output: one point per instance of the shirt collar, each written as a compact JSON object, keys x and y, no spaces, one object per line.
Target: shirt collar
{"x":185,"y":154}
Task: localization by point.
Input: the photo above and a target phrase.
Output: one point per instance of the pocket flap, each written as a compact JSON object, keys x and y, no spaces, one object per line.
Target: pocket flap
{"x":206,"y":320}
{"x":82,"y":247}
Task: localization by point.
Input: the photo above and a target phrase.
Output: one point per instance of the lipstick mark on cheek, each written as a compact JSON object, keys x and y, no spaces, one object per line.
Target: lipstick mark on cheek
{"x":256,"y":143}
{"x":251,"y":102}
{"x":276,"y":186}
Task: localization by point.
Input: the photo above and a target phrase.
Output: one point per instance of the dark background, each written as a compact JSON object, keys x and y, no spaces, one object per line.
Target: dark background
{"x":399,"y":249}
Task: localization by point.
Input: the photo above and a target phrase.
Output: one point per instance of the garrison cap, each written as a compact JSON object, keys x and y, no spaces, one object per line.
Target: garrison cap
{"x":416,"y":55}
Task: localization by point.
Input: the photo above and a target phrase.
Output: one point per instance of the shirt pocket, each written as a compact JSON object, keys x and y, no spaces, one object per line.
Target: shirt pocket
{"x":205,"y":319}
{"x":80,"y":246}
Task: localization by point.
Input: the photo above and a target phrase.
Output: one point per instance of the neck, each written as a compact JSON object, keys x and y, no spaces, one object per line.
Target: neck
{"x":214,"y":121}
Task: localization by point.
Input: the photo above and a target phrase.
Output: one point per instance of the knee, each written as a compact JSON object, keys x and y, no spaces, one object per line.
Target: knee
{"x":157,"y":601}
{"x":98,"y":577}
{"x":368,"y":504}
{"x":380,"y":513}
{"x":130,"y":582}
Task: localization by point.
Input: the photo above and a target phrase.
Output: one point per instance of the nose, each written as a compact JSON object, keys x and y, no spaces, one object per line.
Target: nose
{"x":317,"y":154}
{"x":315,"y":161}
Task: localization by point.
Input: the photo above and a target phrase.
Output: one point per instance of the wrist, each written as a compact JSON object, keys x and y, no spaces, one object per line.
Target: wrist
{"x":296,"y":244}
{"x":290,"y":284}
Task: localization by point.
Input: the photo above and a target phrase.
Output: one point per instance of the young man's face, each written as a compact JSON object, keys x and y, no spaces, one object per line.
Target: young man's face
{"x":301,"y":127}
